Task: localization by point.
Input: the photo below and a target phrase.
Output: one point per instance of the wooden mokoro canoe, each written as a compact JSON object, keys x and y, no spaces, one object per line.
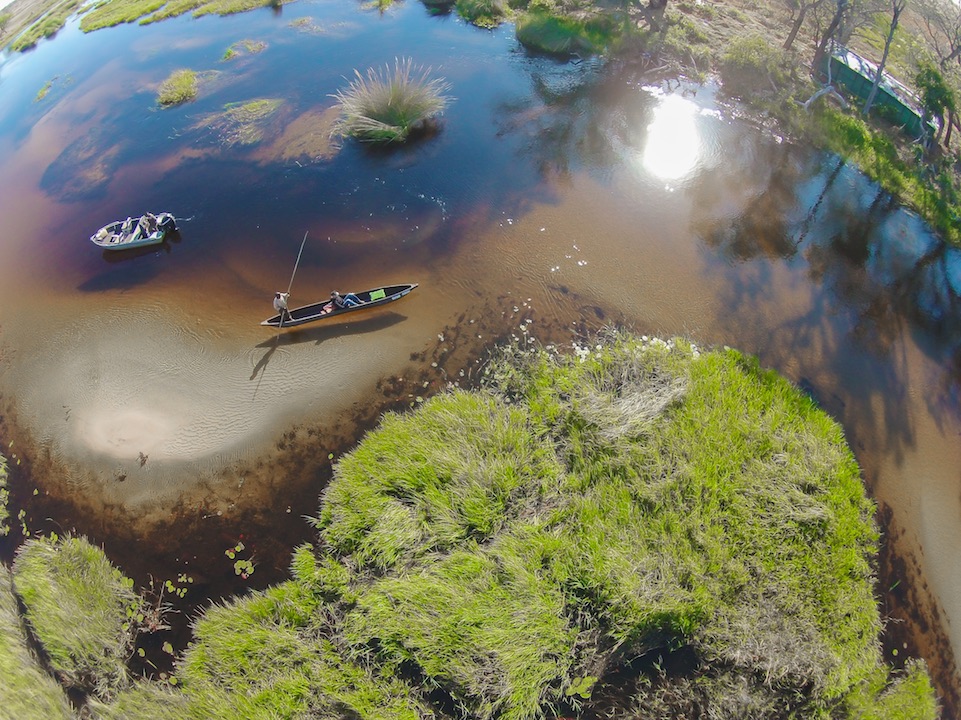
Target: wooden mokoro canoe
{"x":375,"y":297}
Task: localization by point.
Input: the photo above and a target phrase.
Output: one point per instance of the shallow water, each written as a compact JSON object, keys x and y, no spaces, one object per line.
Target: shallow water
{"x":153,"y":412}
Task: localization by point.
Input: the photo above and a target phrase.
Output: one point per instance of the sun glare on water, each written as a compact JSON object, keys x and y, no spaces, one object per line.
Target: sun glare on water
{"x":673,"y":145}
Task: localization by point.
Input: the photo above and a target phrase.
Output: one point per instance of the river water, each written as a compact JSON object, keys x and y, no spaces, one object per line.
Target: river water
{"x":148,"y":409}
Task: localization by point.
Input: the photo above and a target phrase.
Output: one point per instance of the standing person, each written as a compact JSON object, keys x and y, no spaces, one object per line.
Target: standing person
{"x":280,"y":305}
{"x":344,"y":301}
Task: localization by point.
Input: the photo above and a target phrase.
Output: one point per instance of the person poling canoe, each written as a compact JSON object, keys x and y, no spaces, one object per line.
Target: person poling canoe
{"x":280,"y":303}
{"x":330,"y":309}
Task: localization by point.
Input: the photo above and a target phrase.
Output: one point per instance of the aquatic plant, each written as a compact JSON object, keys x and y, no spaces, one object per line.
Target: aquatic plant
{"x":27,"y":691}
{"x":482,"y":13}
{"x":386,"y":106}
{"x":242,"y":123}
{"x":42,"y":92}
{"x":244,"y":47}
{"x":81,"y":608}
{"x":179,"y":87}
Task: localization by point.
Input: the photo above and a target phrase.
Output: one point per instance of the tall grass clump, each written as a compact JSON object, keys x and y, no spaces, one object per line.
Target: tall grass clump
{"x":179,"y":87}
{"x":27,"y":692}
{"x":81,"y":608}
{"x":275,"y":654}
{"x":386,"y":106}
{"x":4,"y":498}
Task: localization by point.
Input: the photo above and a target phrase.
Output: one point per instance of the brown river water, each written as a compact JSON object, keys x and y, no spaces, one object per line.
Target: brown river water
{"x":143,"y":405}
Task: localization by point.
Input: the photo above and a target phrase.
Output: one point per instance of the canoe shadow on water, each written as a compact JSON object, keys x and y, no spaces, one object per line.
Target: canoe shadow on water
{"x":319,"y":334}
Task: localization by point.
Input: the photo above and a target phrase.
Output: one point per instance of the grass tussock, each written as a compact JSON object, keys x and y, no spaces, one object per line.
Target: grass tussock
{"x":386,"y":106}
{"x":27,"y":692}
{"x":4,"y":498}
{"x":483,"y":13}
{"x":179,"y":88}
{"x":81,"y":608}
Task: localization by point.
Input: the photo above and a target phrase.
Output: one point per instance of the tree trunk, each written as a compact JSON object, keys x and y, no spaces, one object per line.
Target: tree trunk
{"x":897,"y":7}
{"x":951,"y":121}
{"x":798,"y":22}
{"x":828,"y":35}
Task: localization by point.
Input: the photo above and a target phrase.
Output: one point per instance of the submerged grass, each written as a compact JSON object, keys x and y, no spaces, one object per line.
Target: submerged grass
{"x":27,"y":692}
{"x":180,"y":87}
{"x":244,"y":47}
{"x":82,"y":610}
{"x":387,"y":106}
{"x":242,"y":123}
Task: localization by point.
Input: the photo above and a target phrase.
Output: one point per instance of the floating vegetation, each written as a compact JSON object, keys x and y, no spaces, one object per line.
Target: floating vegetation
{"x":306,"y":139}
{"x":308,"y":25}
{"x":387,"y":106}
{"x":27,"y":691}
{"x":244,"y":47}
{"x":242,"y":123}
{"x":42,"y":92}
{"x":82,"y":610}
{"x":180,"y":87}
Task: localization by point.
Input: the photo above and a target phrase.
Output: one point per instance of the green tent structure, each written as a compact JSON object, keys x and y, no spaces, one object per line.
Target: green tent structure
{"x":856,"y":74}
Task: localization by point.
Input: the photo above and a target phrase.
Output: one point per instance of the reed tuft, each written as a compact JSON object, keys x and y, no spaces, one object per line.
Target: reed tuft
{"x":387,"y":105}
{"x":179,"y":88}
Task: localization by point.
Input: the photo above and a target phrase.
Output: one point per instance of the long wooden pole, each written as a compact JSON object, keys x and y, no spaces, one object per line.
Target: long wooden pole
{"x":302,"y":243}
{"x":298,"y":262}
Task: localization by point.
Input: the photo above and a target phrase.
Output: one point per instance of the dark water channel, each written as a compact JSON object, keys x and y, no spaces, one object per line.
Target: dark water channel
{"x":148,"y":410}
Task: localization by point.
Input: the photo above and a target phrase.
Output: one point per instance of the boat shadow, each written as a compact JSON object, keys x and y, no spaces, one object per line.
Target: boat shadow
{"x":317,"y":335}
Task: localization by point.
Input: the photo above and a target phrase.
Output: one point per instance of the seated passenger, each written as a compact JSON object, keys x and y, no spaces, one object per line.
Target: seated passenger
{"x":344,"y":301}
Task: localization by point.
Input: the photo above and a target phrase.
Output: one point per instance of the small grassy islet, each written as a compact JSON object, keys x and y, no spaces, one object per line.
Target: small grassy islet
{"x":180,"y":87}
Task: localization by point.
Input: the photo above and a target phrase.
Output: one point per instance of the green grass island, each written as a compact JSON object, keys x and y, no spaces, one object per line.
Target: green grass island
{"x":637,"y":527}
